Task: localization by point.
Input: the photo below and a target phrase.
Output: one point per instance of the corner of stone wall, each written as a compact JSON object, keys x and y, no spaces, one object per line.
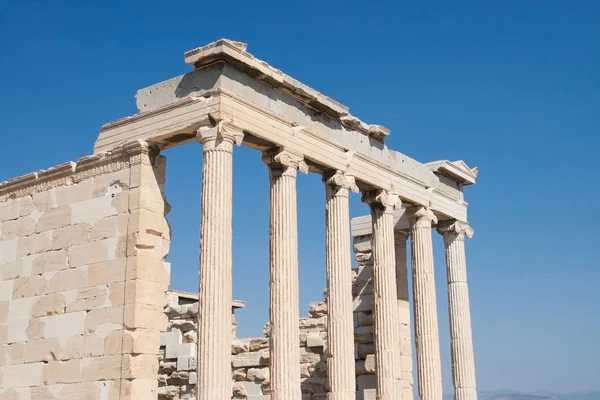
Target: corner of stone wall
{"x":147,"y":273}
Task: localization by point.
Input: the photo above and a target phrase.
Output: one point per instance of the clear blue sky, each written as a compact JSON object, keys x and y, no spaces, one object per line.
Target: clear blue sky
{"x":512,"y":87}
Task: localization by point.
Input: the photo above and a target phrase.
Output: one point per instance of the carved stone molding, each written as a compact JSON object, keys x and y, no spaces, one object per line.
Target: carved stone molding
{"x":339,"y":179}
{"x":383,"y":199}
{"x":130,"y":153}
{"x":459,"y":228}
{"x":285,"y":160}
{"x":220,"y":137}
{"x":421,"y":216}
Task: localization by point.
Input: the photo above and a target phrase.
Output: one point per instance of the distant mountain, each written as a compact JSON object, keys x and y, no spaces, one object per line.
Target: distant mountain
{"x":539,"y":395}
{"x":518,"y":396}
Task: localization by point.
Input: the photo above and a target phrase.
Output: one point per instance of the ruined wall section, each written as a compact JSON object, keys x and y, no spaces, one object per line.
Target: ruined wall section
{"x":83,"y":278}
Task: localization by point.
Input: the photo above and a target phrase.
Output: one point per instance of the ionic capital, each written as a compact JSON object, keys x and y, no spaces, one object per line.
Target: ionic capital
{"x":284,"y":159}
{"x":339,"y":179}
{"x":421,"y":217}
{"x":382,"y":199}
{"x":458,"y":228}
{"x":222,"y":136}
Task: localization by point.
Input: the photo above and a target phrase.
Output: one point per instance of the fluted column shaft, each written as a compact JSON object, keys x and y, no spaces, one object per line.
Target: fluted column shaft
{"x":463,"y":361}
{"x":385,"y":302}
{"x":429,"y":369}
{"x":284,"y":300}
{"x":215,"y":280}
{"x":340,"y":323}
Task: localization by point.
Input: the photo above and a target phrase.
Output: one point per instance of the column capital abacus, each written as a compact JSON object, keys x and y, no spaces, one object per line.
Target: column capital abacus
{"x":285,"y":159}
{"x":381,"y":198}
{"x":459,"y":228}
{"x":339,"y":179}
{"x":221,"y":136}
{"x":420,"y":216}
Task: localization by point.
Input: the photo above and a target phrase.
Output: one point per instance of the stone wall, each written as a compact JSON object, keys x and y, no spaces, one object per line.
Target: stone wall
{"x":83,"y":278}
{"x":250,"y":369}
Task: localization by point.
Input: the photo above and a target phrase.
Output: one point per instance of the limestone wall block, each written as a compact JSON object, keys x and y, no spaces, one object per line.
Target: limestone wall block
{"x":150,"y":200}
{"x":107,"y":227}
{"x":145,"y":292}
{"x":145,"y":316}
{"x":8,"y":251}
{"x":67,"y":195}
{"x":62,"y":372}
{"x":363,"y":334}
{"x":71,"y":235}
{"x":28,"y":286}
{"x":3,"y":360}
{"x":139,"y":389}
{"x":44,"y":201}
{"x":101,"y":368}
{"x":252,"y":359}
{"x":363,"y":303}
{"x":20,"y":309}
{"x":141,"y":341}
{"x":64,"y":326}
{"x":149,"y":222}
{"x":83,"y":346}
{"x":317,"y":309}
{"x":49,"y":305}
{"x":364,"y":349}
{"x":4,"y":334}
{"x":86,"y":390}
{"x":100,"y":317}
{"x":258,"y":374}
{"x":7,"y":288}
{"x":22,"y":375}
{"x":111,"y":183}
{"x":147,"y":268}
{"x":26,"y":206}
{"x":9,"y":210}
{"x":140,"y":366}
{"x":67,"y":279}
{"x":92,"y":253}
{"x":49,"y":262}
{"x":256,"y":344}
{"x":365,"y":318}
{"x":4,"y":311}
{"x":54,"y":219}
{"x":107,"y":272}
{"x":309,"y":356}
{"x":11,"y":270}
{"x":92,"y":211}
{"x":366,"y":382}
{"x":23,"y":226}
{"x":34,"y":244}
{"x":240,"y":346}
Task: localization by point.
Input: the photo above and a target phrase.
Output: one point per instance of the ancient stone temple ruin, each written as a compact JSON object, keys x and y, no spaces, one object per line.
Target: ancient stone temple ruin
{"x":85,"y":310}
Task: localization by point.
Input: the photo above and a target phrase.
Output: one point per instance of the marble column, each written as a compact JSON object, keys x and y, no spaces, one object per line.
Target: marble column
{"x":405,"y":378}
{"x":284,"y":301}
{"x":429,"y":368}
{"x":461,"y":342}
{"x":340,"y":322}
{"x":385,"y":298}
{"x":215,"y":280}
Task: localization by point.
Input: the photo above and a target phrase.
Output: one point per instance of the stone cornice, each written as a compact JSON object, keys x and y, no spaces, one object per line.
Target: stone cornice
{"x":69,"y":173}
{"x":457,"y":170}
{"x":235,"y":54}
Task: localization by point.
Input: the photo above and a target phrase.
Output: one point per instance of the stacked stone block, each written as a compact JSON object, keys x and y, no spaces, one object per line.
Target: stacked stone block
{"x":83,"y":278}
